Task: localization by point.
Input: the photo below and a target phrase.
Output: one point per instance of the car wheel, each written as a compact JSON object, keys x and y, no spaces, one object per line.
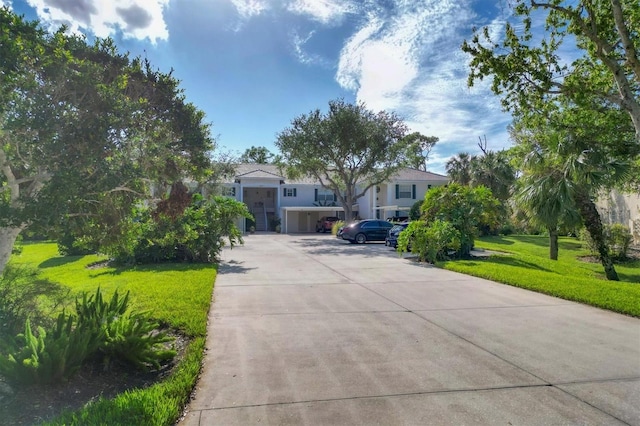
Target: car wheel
{"x":361,"y":239}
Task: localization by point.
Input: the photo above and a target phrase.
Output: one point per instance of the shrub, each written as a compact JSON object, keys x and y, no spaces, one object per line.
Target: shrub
{"x":46,"y":357}
{"x":337,"y":225}
{"x":467,"y":209}
{"x":414,"y":212}
{"x":102,"y":330}
{"x":23,"y":294}
{"x":196,"y":235}
{"x":119,"y":335}
{"x":617,"y":238}
{"x":431,"y":242}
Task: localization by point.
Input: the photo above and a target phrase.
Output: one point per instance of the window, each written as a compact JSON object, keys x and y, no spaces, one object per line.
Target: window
{"x":229,"y":191}
{"x":405,"y":191}
{"x":325,"y":196}
{"x":289,"y":192}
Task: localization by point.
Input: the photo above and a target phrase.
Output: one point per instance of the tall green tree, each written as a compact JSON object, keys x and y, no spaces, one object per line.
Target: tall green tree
{"x":568,"y":166}
{"x":459,"y":168}
{"x":348,"y":149}
{"x":84,"y":129}
{"x":529,"y":72}
{"x":257,"y":155}
{"x":419,"y":149}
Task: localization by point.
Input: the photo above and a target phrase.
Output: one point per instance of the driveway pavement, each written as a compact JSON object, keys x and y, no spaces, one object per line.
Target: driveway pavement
{"x":307,"y":329}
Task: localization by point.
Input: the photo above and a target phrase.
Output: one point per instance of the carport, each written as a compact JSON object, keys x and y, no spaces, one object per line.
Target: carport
{"x":303,"y":219}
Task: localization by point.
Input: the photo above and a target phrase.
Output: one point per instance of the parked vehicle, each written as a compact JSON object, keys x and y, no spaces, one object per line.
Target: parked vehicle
{"x":326,"y":223}
{"x":392,"y":236}
{"x":366,"y":230}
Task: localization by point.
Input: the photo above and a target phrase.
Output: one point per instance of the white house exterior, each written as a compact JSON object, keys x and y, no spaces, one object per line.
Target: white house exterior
{"x":299,"y":204}
{"x":616,"y":207}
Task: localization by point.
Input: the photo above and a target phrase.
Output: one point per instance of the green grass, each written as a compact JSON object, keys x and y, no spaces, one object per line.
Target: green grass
{"x":525,"y":263}
{"x":176,"y":294}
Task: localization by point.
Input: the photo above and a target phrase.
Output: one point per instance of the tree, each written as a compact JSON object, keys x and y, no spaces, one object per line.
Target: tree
{"x":467,"y":209}
{"x":84,"y":130}
{"x":419,"y":149}
{"x":531,"y":76}
{"x":459,"y":168}
{"x":545,"y":198}
{"x":566,"y":168}
{"x":348,"y":149}
{"x":257,"y":155}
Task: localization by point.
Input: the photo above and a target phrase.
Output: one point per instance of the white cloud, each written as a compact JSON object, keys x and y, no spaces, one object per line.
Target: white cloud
{"x":410,"y":62}
{"x":139,"y":19}
{"x":249,"y":8}
{"x":300,"y":52}
{"x":324,"y":11}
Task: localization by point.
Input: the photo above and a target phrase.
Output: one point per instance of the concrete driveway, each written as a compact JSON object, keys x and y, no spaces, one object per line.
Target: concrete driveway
{"x":307,"y":329}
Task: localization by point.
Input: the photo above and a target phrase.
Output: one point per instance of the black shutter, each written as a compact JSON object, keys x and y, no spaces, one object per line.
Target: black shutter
{"x":284,"y":192}
{"x":335,"y":197}
{"x":295,"y":192}
{"x":315,"y":195}
{"x":397,"y":191}
{"x":413,"y":191}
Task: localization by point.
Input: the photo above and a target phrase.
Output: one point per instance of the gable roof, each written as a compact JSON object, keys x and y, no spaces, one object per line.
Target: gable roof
{"x":271,"y":171}
{"x":408,"y":174}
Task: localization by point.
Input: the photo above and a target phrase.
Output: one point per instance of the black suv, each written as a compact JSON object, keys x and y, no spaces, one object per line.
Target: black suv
{"x":366,"y":230}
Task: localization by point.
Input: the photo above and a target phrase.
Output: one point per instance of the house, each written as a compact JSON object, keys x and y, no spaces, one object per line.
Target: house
{"x":299,"y":204}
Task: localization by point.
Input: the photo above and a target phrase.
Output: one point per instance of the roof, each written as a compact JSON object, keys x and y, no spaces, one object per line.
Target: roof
{"x":271,"y":171}
{"x":408,"y":174}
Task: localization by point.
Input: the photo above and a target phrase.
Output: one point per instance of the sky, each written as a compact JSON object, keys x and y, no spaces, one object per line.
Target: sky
{"x":254,"y":65}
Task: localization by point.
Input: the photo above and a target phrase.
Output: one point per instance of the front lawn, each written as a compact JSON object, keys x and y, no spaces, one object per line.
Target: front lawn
{"x":525,"y":263}
{"x":178,"y":295}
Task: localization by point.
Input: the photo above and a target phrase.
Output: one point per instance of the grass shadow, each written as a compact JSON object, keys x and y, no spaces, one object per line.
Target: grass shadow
{"x":59,"y":261}
{"x":155,"y":268}
{"x":511,"y":261}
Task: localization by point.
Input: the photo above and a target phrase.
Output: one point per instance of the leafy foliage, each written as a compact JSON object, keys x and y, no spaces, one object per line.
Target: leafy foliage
{"x":617,"y":238}
{"x":430,"y":241}
{"x":349,"y":145}
{"x":197,"y":235}
{"x":414,"y":212}
{"x":466,"y":209}
{"x":84,"y":128}
{"x":99,"y":329}
{"x":23,"y":294}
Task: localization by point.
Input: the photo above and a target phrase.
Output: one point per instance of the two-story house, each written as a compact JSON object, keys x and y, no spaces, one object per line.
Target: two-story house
{"x":299,"y":204}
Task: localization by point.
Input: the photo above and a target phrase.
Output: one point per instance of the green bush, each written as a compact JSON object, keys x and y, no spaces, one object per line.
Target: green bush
{"x":431,"y":242}
{"x":467,"y":209}
{"x":101,"y":330}
{"x":24,"y":294}
{"x":46,"y":357}
{"x":337,"y":225}
{"x":414,"y":212}
{"x":617,"y":238}
{"x":197,"y":235}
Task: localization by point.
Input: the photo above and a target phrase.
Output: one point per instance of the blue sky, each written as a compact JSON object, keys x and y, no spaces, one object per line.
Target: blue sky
{"x":254,"y":65}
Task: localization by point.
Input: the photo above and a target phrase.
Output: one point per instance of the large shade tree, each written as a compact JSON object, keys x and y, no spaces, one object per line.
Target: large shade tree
{"x":348,"y":149}
{"x":84,"y":129}
{"x":529,"y":71}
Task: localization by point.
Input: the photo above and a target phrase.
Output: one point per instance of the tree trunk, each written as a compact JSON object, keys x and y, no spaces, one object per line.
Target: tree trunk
{"x":8,"y":237}
{"x":592,"y":222}
{"x":553,"y":243}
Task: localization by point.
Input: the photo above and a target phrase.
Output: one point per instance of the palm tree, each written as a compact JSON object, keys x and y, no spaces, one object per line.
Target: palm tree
{"x":563,"y":174}
{"x":546,"y":199}
{"x":459,"y":168}
{"x":493,"y":170}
